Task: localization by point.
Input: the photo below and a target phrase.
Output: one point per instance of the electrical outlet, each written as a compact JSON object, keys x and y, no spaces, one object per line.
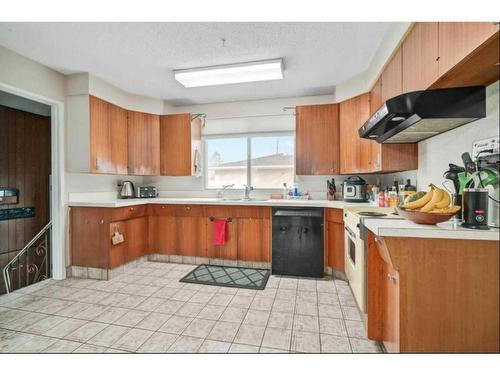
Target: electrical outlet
{"x":484,"y":145}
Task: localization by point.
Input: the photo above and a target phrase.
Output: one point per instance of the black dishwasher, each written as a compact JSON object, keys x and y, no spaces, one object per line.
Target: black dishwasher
{"x":298,"y":242}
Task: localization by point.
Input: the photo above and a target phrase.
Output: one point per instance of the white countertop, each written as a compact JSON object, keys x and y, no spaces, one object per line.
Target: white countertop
{"x":100,"y":202}
{"x":446,"y":230}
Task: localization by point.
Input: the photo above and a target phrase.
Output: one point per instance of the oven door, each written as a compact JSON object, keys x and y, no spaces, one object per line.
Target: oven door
{"x":355,"y":265}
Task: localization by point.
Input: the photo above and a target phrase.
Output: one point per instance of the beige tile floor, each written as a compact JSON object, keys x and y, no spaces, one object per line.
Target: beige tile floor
{"x":147,"y":310}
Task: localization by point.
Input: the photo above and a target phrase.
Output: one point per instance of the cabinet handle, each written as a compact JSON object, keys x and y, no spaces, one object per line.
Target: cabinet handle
{"x":131,"y":208}
{"x":188,"y":208}
{"x":391,"y":277}
{"x":101,"y":221}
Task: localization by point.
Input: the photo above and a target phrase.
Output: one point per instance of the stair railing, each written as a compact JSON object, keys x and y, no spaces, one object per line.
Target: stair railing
{"x":31,"y":264}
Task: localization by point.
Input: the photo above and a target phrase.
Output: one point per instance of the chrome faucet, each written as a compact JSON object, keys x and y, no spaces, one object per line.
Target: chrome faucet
{"x":248,"y":190}
{"x":220,"y":193}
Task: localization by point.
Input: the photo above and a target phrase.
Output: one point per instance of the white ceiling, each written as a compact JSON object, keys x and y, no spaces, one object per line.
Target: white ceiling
{"x":139,"y":57}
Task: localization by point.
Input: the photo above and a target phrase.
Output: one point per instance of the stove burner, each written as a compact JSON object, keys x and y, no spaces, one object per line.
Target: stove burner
{"x":371,"y":213}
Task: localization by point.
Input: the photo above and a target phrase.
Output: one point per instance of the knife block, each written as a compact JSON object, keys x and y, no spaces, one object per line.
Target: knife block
{"x":330,"y":197}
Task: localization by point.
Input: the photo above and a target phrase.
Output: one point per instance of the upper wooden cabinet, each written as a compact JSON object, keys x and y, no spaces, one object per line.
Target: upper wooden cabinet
{"x":180,"y":139}
{"x":143,"y":144}
{"x":420,"y":57}
{"x":459,"y":39}
{"x":317,"y":139}
{"x":360,"y":155}
{"x":108,"y":137}
{"x":392,"y":78}
{"x":355,"y":152}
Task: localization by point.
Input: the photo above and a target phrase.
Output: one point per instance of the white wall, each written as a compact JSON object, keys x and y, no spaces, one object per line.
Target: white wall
{"x":434,"y":154}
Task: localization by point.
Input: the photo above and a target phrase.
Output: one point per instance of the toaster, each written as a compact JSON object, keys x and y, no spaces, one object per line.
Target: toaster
{"x":146,"y":192}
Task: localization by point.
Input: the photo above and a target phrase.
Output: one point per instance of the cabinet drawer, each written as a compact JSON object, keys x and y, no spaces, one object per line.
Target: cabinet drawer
{"x":162,"y":210}
{"x":129,"y":212}
{"x":187,"y":210}
{"x":252,"y":212}
{"x":222,"y":212}
{"x":335,"y":215}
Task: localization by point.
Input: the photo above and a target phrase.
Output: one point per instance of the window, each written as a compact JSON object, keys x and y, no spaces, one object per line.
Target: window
{"x":263,"y":161}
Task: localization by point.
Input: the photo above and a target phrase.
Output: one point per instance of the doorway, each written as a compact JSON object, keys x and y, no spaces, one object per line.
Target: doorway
{"x":25,"y":175}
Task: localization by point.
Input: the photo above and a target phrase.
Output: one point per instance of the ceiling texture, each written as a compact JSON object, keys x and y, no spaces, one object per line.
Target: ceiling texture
{"x":140,"y":57}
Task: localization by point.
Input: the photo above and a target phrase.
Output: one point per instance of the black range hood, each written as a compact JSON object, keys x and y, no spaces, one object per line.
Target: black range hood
{"x":418,"y":115}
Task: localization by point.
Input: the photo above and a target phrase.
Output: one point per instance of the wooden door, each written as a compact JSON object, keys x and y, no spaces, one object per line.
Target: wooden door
{"x":137,"y":241}
{"x":191,"y":235}
{"x":355,"y":152}
{"x":317,"y":140}
{"x":100,"y":150}
{"x":175,"y":145}
{"x":458,"y":39}
{"x":163,"y":234}
{"x":227,"y":251}
{"x":118,"y":139}
{"x":420,"y":57}
{"x":118,"y":252}
{"x":254,"y":240}
{"x":143,"y":144}
{"x":392,"y":78}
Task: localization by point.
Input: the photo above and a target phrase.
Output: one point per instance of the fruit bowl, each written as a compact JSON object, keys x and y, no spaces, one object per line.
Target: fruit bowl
{"x":430,"y":218}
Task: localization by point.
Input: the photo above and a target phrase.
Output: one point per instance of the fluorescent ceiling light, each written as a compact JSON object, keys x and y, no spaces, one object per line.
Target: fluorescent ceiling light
{"x":234,"y":73}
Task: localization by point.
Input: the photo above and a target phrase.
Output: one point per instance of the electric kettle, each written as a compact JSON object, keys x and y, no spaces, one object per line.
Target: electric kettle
{"x":126,"y":190}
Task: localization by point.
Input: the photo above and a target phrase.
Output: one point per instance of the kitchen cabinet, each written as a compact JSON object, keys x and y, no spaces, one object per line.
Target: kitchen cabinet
{"x":163,"y":234}
{"x":392,"y":78}
{"x":317,"y":140}
{"x":355,"y":152}
{"x":108,"y":137}
{"x":91,"y":230}
{"x":227,"y":251}
{"x":180,"y":140}
{"x":143,"y":144}
{"x":254,"y":239}
{"x":420,"y":57}
{"x":334,"y":239}
{"x":137,"y":241}
{"x":191,"y":236}
{"x":410,"y":306}
{"x":459,"y":39}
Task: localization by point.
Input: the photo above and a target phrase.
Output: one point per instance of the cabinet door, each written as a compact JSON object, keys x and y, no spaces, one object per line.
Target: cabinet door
{"x":254,"y":240}
{"x":143,"y":144}
{"x":420,"y":57}
{"x":163,"y":234}
{"x":118,"y":252}
{"x":100,"y":133}
{"x":227,"y":251}
{"x":392,"y":78}
{"x":458,"y":39}
{"x":317,"y":140}
{"x":137,"y":241}
{"x":192,"y":236}
{"x":390,"y":326}
{"x":335,"y":245}
{"x":355,"y":152}
{"x":118,"y":139}
{"x":175,"y":145}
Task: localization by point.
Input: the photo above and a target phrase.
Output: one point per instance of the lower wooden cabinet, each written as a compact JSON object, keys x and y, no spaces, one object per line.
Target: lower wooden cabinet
{"x":191,"y":236}
{"x":227,"y":251}
{"x":162,"y":234}
{"x":254,"y":240}
{"x":334,"y":239}
{"x":91,"y":230}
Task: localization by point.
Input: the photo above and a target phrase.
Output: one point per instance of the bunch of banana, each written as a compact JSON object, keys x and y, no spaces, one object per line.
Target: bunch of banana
{"x":435,"y":200}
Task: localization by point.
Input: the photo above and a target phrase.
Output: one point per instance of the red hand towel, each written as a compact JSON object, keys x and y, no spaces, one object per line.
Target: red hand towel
{"x":220,"y":231}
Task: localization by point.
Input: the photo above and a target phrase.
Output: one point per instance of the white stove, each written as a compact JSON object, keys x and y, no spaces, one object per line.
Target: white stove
{"x":354,"y":245}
